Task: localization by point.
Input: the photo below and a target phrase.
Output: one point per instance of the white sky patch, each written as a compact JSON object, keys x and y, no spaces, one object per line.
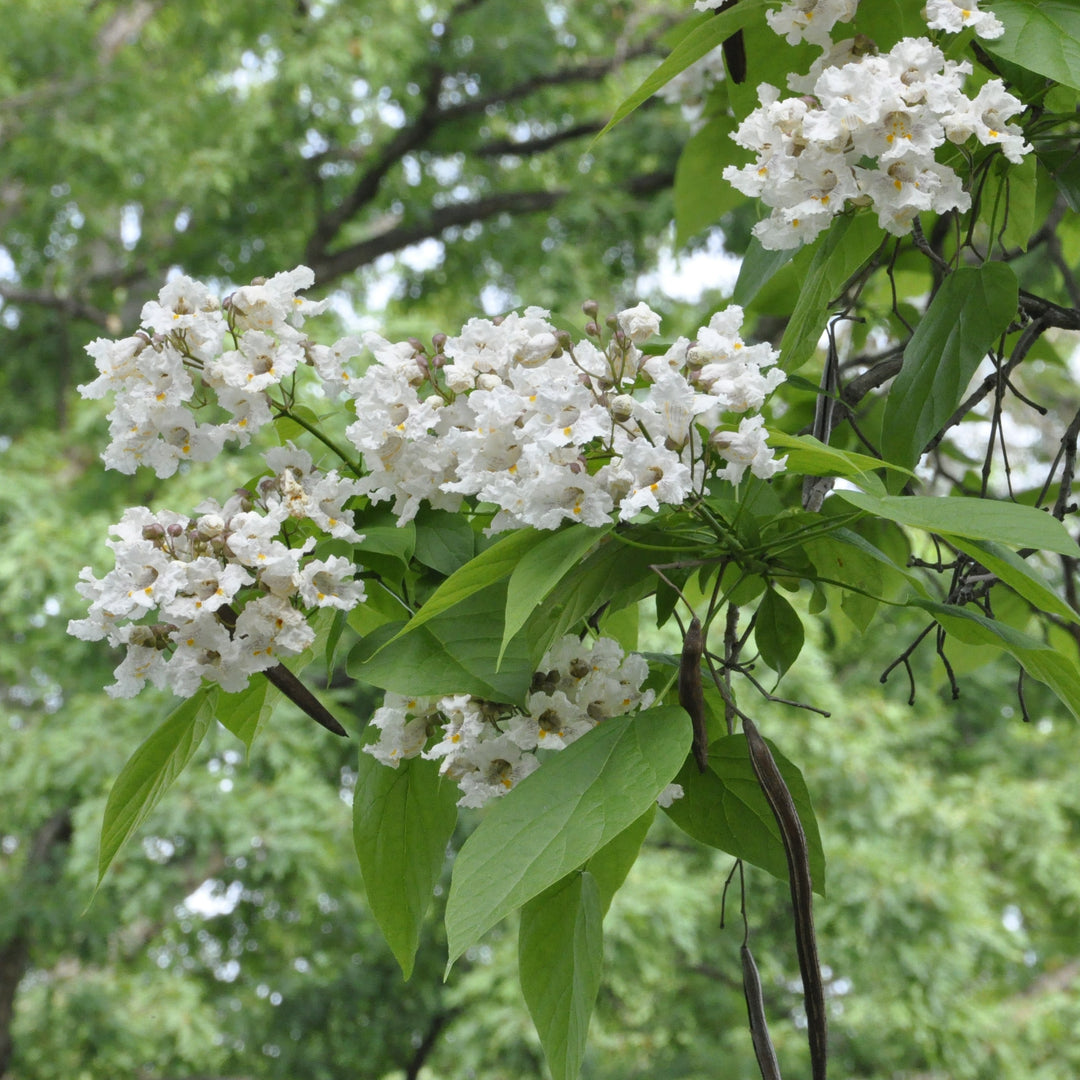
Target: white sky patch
{"x":130,"y":225}
{"x":213,"y":897}
{"x":687,"y":277}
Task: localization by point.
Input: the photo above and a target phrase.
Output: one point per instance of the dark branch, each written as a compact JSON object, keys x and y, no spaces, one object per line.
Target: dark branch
{"x":330,"y":266}
{"x":73,"y":308}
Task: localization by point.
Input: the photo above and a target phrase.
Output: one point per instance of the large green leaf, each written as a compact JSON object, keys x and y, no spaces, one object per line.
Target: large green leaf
{"x":705,"y":37}
{"x":444,"y":541}
{"x":850,"y":241}
{"x":403,"y":819}
{"x":700,"y":200}
{"x":971,"y":310}
{"x":459,"y":651}
{"x":540,"y":570}
{"x":1041,"y":661}
{"x":758,"y":266}
{"x":610,"y":865}
{"x":555,"y":819}
{"x":725,"y":808}
{"x":560,"y":946}
{"x":810,"y":457}
{"x":1042,"y":35}
{"x":978,"y":519}
{"x":245,"y":712}
{"x":1017,"y":574}
{"x":488,"y":568}
{"x":615,"y":573}
{"x":151,"y":770}
{"x":560,"y":957}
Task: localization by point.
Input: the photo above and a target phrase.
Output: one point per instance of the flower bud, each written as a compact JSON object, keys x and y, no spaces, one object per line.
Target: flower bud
{"x":622,"y":408}
{"x":591,"y":308}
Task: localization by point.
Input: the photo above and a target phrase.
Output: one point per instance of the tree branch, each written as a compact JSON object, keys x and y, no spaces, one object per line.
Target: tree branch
{"x":15,"y":951}
{"x":73,"y":308}
{"x":328,"y":267}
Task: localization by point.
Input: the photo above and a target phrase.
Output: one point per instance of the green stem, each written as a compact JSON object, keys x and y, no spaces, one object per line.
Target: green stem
{"x":354,"y":466}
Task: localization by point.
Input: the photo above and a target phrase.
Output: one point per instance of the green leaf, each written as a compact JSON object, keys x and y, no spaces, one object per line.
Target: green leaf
{"x":459,"y":651}
{"x":970,"y":312}
{"x":151,"y":770}
{"x":701,"y":198}
{"x":444,"y":541}
{"x":403,"y":819}
{"x":850,"y":241}
{"x":610,"y":865}
{"x":1043,"y":662}
{"x":541,"y":569}
{"x":692,"y":47}
{"x":1017,"y":574}
{"x":383,"y":536}
{"x":615,"y":573}
{"x":811,"y":457}
{"x":1008,"y":201}
{"x":245,"y":712}
{"x":555,"y":819}
{"x":560,"y":957}
{"x":1042,"y":35}
{"x":778,"y":632}
{"x":758,"y":266}
{"x":725,"y":808}
{"x":976,"y":519}
{"x":484,"y":571}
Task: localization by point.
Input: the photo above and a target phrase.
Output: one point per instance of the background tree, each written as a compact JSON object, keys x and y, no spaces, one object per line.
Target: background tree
{"x":943,"y":918}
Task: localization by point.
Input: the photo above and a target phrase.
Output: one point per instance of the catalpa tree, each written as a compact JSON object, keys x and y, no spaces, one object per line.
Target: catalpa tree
{"x":490,"y":525}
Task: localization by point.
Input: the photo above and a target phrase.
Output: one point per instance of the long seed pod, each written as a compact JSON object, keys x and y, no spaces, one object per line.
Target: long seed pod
{"x":691,"y":696}
{"x":755,"y":1008}
{"x":289,"y":684}
{"x":798,"y":860}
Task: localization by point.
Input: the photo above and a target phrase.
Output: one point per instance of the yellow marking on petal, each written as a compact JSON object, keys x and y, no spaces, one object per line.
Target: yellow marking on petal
{"x":322,"y":595}
{"x":148,"y":590}
{"x":577,"y":509}
{"x":898,"y":185}
{"x":738,"y":344}
{"x":456,"y":737}
{"x":653,"y":486}
{"x":190,"y":642}
{"x":567,"y":431}
{"x":993,"y":133}
{"x":795,"y":223}
{"x":508,"y":784}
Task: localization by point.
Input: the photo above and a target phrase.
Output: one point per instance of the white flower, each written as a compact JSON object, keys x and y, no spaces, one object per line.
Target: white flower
{"x":810,"y":20}
{"x":669,"y":795}
{"x":954,"y":16}
{"x":639,"y":323}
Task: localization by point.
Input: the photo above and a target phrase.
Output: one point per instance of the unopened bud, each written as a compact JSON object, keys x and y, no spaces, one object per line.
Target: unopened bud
{"x":622,"y":408}
{"x":438,"y":340}
{"x":579,"y":668}
{"x":592,"y":329}
{"x":153,"y":532}
{"x":591,"y":308}
{"x":175,"y":530}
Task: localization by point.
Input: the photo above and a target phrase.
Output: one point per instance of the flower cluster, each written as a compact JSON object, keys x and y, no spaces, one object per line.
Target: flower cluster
{"x":222,"y":595}
{"x":193,"y":349}
{"x":488,"y":748}
{"x":513,"y":414}
{"x":866,"y":128}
